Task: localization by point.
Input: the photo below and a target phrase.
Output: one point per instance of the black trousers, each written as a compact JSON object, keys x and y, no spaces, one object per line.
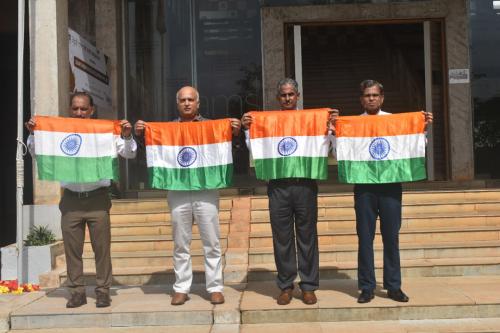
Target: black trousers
{"x":384,"y":201}
{"x":293,"y":207}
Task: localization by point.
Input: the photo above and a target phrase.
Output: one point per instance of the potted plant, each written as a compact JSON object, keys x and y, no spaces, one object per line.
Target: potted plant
{"x":40,"y":251}
{"x":40,"y":236}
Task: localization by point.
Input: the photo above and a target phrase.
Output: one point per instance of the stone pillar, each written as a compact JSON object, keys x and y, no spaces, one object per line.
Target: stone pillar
{"x":49,"y":72}
{"x":459,"y":95}
{"x":109,"y":40}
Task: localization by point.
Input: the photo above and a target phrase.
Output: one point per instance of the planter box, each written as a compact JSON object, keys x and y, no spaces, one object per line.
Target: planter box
{"x":36,"y":260}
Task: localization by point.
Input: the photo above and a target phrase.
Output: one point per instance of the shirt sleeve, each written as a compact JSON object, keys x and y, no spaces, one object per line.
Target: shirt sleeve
{"x":30,"y":143}
{"x":333,"y":143}
{"x":127,"y":148}
{"x":247,"y":138}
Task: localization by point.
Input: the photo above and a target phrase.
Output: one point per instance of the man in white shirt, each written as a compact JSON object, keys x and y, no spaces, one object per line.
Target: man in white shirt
{"x":200,"y":206}
{"x":88,"y":204}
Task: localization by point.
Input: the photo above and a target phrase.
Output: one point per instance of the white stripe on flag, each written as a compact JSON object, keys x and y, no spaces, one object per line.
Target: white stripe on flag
{"x":401,"y":147}
{"x":90,"y":144}
{"x":206,"y":155}
{"x":306,"y":146}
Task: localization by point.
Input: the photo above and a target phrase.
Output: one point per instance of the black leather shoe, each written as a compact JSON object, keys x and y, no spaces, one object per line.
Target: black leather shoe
{"x":76,"y":300}
{"x":102,"y":300}
{"x":366,"y":296}
{"x":397,"y":295}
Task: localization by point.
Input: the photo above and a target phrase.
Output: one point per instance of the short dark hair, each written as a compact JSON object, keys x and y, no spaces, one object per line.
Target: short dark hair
{"x":81,"y":94}
{"x":371,"y":83}
{"x":288,"y":81}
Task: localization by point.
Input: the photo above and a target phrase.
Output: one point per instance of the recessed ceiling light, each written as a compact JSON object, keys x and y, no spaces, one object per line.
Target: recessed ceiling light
{"x":496,"y":5}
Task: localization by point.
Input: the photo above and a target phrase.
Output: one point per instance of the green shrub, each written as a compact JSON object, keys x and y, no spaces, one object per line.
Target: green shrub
{"x":40,"y":235}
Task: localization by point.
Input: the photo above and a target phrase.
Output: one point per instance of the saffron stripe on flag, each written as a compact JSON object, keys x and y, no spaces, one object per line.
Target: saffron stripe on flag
{"x":388,"y":125}
{"x":76,"y":169}
{"x":310,"y":122}
{"x":188,"y":133}
{"x":376,"y":172}
{"x":206,"y":178}
{"x":77,"y":125}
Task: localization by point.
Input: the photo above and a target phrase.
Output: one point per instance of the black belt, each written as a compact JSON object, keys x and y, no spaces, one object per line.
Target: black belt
{"x":292,"y":180}
{"x":88,"y":194}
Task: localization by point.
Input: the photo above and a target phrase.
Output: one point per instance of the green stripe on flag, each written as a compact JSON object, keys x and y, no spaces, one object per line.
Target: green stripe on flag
{"x":379,"y":172}
{"x":184,"y":179}
{"x":292,"y":167}
{"x":77,"y":169}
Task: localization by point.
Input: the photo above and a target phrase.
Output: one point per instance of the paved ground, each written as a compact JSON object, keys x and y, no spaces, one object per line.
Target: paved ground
{"x":487,"y":325}
{"x":147,"y":308}
{"x":9,"y":303}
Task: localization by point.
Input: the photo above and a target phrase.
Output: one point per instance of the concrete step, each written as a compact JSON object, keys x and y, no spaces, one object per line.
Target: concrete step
{"x":130,"y":307}
{"x":254,"y":303}
{"x":153,"y":259}
{"x":149,"y":243}
{"x":121,"y":206}
{"x":465,"y":325}
{"x":414,"y":236}
{"x":144,"y":275}
{"x":154,"y":216}
{"x":349,"y":252}
{"x":410,"y":223}
{"x":424,"y":210}
{"x":409,"y":198}
{"x":146,"y":329}
{"x":484,"y":266}
{"x":154,"y":228}
{"x":430,"y":298}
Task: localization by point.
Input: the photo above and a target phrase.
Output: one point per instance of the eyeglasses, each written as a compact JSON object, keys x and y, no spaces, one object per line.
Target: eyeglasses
{"x":371,"y":95}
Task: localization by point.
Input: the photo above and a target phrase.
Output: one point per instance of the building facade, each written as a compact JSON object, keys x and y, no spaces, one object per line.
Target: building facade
{"x":434,"y":55}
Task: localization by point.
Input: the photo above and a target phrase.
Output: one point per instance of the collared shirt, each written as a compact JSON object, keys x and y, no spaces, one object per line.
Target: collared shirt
{"x":127,"y":148}
{"x":379,"y":113}
{"x":198,"y":117}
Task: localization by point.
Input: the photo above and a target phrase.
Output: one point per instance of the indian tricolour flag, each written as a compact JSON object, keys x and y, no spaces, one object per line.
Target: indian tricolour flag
{"x":189,"y":155}
{"x":76,"y":150}
{"x":290,"y":144}
{"x":381,"y":149}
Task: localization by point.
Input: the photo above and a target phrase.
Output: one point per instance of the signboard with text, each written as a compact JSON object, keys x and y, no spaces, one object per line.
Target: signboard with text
{"x":89,"y":72}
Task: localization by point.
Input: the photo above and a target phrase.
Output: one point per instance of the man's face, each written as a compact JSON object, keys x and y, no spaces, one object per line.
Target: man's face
{"x":372,"y":100}
{"x":80,"y":107}
{"x":288,"y":97}
{"x":187,"y":104}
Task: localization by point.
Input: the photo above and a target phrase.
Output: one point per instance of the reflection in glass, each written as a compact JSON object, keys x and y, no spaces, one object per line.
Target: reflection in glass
{"x":212,"y":45}
{"x":327,"y":2}
{"x":485,"y":52}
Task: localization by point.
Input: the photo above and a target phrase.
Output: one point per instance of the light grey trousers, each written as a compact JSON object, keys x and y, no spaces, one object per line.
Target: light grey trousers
{"x":201,"y":207}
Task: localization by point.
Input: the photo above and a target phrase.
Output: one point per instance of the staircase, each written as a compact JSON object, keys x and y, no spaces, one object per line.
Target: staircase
{"x":450,"y":251}
{"x":142,"y":244}
{"x":443,"y":233}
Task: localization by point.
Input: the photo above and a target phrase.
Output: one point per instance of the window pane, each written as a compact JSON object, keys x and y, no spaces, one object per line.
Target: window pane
{"x":485,"y":52}
{"x":211,"y":45}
